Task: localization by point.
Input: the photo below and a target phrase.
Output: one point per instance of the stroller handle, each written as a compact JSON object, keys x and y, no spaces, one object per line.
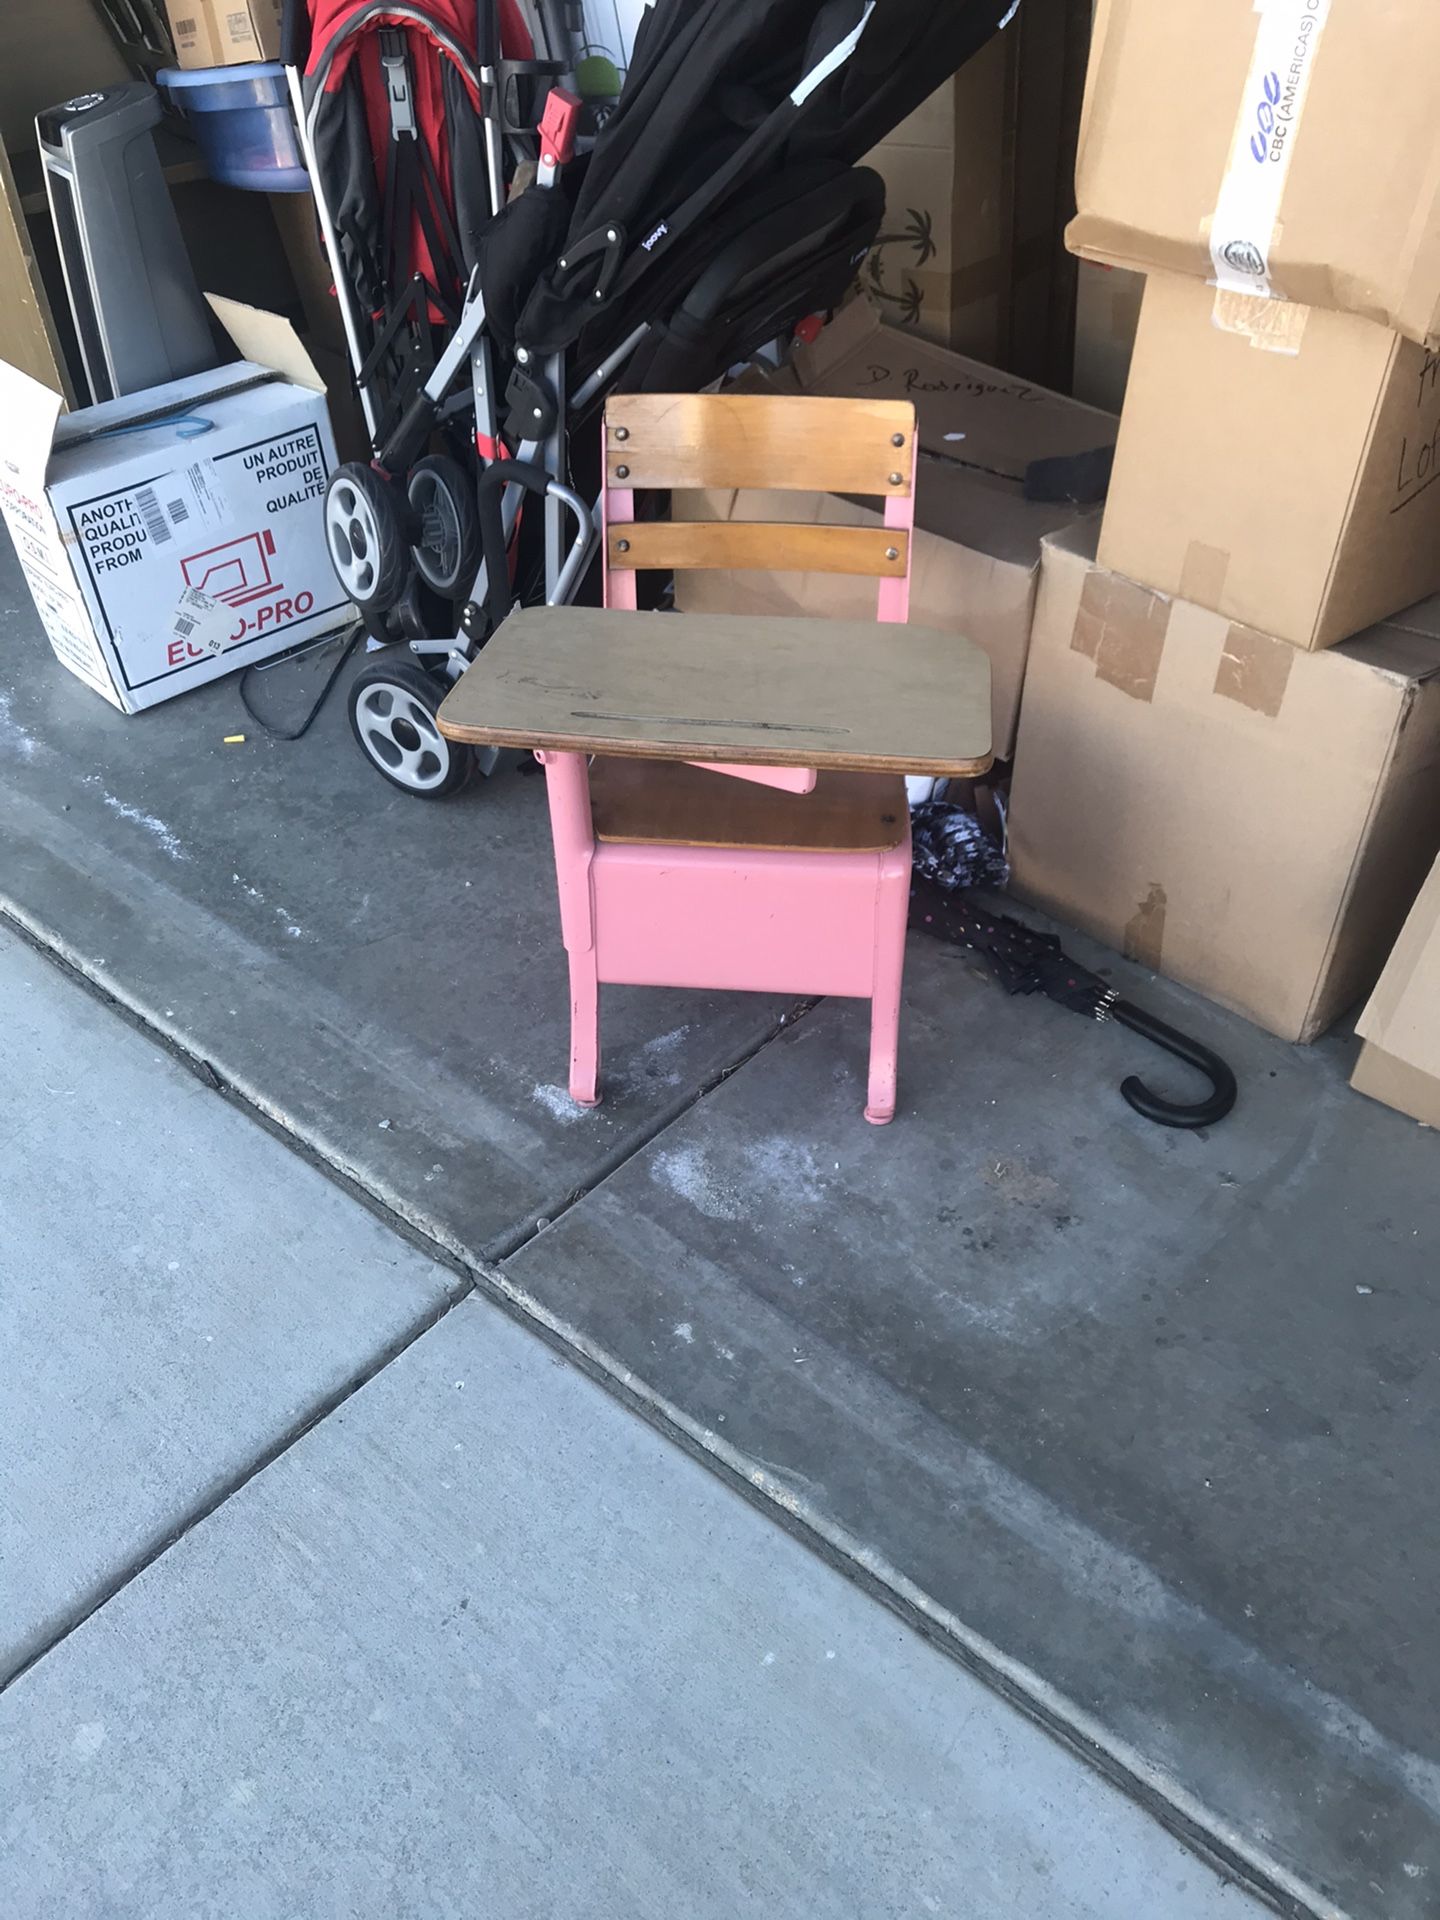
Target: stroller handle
{"x":490,"y":498}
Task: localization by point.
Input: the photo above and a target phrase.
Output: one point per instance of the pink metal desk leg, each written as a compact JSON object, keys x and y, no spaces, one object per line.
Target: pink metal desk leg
{"x":892,"y":906}
{"x":892,"y":899}
{"x":584,"y":1030}
{"x":567,"y":787}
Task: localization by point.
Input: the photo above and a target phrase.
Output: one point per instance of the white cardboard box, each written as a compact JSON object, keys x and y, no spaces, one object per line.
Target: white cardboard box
{"x":156,"y":560}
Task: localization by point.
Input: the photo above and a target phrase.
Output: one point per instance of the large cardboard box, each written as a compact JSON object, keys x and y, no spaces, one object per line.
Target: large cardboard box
{"x":1400,"y":1060}
{"x":939,"y":265}
{"x":977,"y":181}
{"x":976,"y":556}
{"x":225,"y":33}
{"x":1107,"y":318}
{"x":1293,"y":490}
{"x":1246,"y":818}
{"x":1288,"y":150}
{"x":162,"y":558}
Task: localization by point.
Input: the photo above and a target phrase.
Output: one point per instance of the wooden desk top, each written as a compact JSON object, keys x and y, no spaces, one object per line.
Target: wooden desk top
{"x":777,"y":692}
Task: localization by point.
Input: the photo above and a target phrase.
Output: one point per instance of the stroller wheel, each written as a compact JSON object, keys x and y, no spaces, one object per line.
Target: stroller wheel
{"x":392,"y":715}
{"x":446,"y":521}
{"x":368,"y":548}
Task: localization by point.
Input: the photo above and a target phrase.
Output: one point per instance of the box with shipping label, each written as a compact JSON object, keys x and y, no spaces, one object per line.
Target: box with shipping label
{"x":1400,"y":1060}
{"x":1290,"y":150}
{"x":171,"y":536}
{"x":1289,"y":489}
{"x":225,"y":33}
{"x":1246,"y":818}
{"x":976,"y":555}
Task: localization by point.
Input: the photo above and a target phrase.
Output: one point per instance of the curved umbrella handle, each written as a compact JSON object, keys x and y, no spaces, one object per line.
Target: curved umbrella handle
{"x":1170,"y":1113}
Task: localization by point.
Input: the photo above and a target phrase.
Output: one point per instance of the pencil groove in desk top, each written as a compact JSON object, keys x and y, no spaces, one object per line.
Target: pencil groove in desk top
{"x":768,"y":691}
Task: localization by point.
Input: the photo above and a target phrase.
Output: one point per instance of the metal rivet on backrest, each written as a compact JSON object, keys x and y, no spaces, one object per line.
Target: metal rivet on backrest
{"x":622,"y":473}
{"x":892,"y":553}
{"x":897,"y":479}
{"x":622,"y":433}
{"x":897,"y":439}
{"x":622,"y":546}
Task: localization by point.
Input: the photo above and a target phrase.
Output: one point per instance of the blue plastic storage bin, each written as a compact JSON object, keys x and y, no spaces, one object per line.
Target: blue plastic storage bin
{"x":241,"y":118}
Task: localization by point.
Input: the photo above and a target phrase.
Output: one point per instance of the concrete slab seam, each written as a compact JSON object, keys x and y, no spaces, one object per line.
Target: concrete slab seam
{"x":377,"y":1195}
{"x":1079,"y":1731}
{"x":1072,"y":1725}
{"x":232,"y":1484}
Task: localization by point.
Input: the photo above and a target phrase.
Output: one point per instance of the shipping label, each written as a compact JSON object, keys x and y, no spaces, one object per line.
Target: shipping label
{"x":1247,"y":215}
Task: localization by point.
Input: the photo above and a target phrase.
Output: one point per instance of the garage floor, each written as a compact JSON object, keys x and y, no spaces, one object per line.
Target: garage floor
{"x":1139,"y":1426}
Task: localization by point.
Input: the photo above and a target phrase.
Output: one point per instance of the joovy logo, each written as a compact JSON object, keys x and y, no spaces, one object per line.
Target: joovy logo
{"x":1265,"y":117}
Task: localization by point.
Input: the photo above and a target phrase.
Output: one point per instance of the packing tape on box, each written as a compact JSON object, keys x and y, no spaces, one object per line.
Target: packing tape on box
{"x":1202,"y":577}
{"x":1121,"y":628}
{"x":1275,"y":326}
{"x":1144,"y":938}
{"x":1246,"y":219}
{"x":1254,"y":670}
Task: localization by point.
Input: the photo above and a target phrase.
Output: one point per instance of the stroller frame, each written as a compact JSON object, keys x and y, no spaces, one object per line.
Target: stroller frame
{"x":565,"y":336}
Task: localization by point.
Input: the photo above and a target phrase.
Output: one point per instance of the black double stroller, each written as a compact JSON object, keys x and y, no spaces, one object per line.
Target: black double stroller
{"x":506,"y":256}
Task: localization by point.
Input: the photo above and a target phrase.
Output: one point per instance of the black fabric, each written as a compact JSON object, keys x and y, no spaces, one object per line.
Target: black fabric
{"x":342,"y":149}
{"x":909,"y":47}
{"x":796,"y":259}
{"x":469,"y":175}
{"x":953,"y":850}
{"x":1021,"y":959}
{"x":708,"y":107}
{"x":513,"y":250}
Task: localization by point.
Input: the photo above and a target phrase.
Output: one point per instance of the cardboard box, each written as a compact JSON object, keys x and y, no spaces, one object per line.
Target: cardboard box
{"x":225,"y":33}
{"x":323,"y":329}
{"x":1293,"y":490}
{"x":1400,"y":1060}
{"x":977,"y":180}
{"x":976,"y":556}
{"x":939,"y":266}
{"x":1246,"y":818}
{"x":1290,"y":150}
{"x":1107,"y":317}
{"x":158,"y":562}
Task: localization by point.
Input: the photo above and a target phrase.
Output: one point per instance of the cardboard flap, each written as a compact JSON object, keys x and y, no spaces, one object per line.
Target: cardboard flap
{"x":268,"y":339}
{"x":1403,"y":1013}
{"x":968,"y":412}
{"x":30,"y":410}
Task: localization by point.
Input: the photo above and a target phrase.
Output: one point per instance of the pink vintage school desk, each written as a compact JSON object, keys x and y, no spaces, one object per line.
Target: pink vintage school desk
{"x":744,"y":821}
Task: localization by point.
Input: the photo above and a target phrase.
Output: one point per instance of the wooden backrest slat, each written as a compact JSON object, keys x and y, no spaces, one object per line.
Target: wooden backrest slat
{"x":771,"y":441}
{"x":685,"y":546}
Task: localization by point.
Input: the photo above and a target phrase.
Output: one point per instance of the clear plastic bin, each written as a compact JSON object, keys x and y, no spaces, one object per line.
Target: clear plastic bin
{"x":240,"y":117}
